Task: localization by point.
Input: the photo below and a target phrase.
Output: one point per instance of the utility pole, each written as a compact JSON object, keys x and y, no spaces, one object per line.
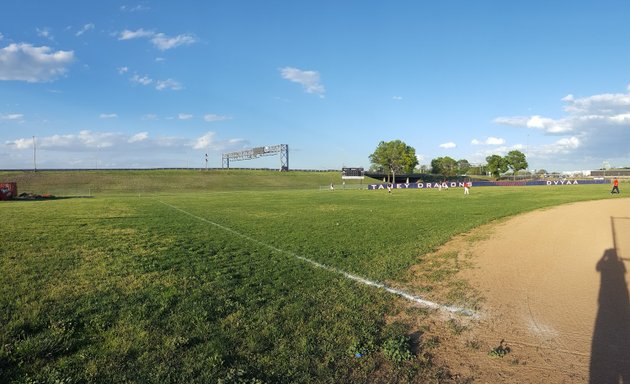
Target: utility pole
{"x":34,"y":155}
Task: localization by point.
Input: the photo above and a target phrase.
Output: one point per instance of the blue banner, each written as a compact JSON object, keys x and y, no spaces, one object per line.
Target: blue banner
{"x":460,"y":184}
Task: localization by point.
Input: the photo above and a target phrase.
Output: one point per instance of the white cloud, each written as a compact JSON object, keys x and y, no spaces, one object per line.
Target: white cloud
{"x":160,"y":40}
{"x":163,"y":42}
{"x":212,"y":118}
{"x":184,"y":116}
{"x":83,"y":141}
{"x":604,"y":104}
{"x":45,"y":33}
{"x":622,"y":118}
{"x":80,"y":141}
{"x":116,"y":150}
{"x":108,"y":116}
{"x":448,"y":145}
{"x":204,"y":141}
{"x":25,"y":62}
{"x":515,"y":121}
{"x":208,"y":141}
{"x":1,"y":36}
{"x":134,"y":8}
{"x":489,"y":141}
{"x":150,"y":116}
{"x":142,"y":80}
{"x":309,"y":80}
{"x":569,"y":142}
{"x":397,"y":97}
{"x":537,"y":122}
{"x":85,"y":28}
{"x":12,"y":116}
{"x":138,"y":33}
{"x":495,"y":141}
{"x":138,"y":137}
{"x":122,"y":70}
{"x":561,"y":147}
{"x":168,"y":84}
{"x":593,"y":128}
{"x":21,"y":143}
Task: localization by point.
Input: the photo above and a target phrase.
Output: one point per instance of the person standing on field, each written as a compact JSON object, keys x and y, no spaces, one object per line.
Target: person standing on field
{"x":615,"y":186}
{"x":467,"y":185}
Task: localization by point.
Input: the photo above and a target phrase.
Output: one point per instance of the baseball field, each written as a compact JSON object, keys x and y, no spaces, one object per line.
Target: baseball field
{"x":253,"y":276}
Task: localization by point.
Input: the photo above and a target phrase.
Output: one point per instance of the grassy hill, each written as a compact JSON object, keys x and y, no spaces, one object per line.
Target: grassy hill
{"x":91,"y":182}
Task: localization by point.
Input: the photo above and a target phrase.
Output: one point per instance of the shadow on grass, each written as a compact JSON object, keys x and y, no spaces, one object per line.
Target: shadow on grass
{"x":30,"y":198}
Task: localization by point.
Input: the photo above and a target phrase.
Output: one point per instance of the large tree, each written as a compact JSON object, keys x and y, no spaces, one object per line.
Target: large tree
{"x":515,"y":160}
{"x":496,"y":165}
{"x":446,"y":166}
{"x":395,"y":157}
{"x":463,"y":166}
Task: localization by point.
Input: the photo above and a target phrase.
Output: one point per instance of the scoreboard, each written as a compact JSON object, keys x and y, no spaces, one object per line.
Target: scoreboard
{"x":352,"y":173}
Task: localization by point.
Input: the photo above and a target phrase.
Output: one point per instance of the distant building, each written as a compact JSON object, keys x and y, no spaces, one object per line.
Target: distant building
{"x":611,"y":173}
{"x":577,"y":173}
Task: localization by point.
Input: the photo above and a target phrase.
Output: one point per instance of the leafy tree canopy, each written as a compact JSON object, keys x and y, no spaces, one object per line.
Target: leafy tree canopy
{"x":496,"y":165}
{"x":446,"y":166}
{"x":463,"y":166}
{"x":394,"y":157}
{"x":516,"y":161}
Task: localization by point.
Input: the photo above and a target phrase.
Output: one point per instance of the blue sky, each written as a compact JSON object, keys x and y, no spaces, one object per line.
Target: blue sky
{"x":161,"y":83}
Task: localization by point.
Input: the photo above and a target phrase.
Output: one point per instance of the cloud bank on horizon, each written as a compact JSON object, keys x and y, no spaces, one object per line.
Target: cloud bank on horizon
{"x":130,"y":87}
{"x":590,"y":126}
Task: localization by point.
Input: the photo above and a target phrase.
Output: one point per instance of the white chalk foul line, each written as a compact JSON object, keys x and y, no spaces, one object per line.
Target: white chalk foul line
{"x":359,"y":279}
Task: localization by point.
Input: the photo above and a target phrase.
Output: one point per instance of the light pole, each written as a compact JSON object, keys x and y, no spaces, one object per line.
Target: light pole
{"x":34,"y":155}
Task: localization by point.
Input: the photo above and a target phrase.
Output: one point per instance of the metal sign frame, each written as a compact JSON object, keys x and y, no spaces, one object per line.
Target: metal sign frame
{"x":253,"y":153}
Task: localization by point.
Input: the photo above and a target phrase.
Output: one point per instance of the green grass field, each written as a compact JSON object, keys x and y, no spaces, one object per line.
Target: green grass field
{"x":168,"y":276}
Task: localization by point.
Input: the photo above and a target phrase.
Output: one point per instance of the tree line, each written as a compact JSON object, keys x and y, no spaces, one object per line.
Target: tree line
{"x":395,"y":158}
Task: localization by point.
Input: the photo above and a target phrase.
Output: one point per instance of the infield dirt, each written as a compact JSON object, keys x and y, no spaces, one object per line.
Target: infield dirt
{"x":555,"y":289}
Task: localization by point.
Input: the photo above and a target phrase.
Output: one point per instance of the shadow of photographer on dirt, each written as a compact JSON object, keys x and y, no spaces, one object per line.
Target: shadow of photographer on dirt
{"x":610,"y":350}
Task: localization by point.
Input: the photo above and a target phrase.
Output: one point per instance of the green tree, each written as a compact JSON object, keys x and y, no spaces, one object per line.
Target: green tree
{"x":463,"y":166}
{"x":394,"y":157}
{"x":516,"y":161}
{"x":477,"y":170}
{"x":446,"y":166}
{"x":496,"y":165}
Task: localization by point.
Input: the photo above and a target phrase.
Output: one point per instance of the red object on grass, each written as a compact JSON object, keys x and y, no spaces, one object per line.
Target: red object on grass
{"x":8,"y":191}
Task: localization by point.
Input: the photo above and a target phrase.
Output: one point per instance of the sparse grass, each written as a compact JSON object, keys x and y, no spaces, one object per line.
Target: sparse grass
{"x":473,"y":344}
{"x":125,"y":288}
{"x":501,"y":350}
{"x":432,"y":342}
{"x":456,"y":327}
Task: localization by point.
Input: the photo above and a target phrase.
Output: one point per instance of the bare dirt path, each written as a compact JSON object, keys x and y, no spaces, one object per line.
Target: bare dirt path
{"x":556,"y":289}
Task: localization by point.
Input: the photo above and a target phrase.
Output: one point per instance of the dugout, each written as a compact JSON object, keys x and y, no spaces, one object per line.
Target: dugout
{"x":8,"y":191}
